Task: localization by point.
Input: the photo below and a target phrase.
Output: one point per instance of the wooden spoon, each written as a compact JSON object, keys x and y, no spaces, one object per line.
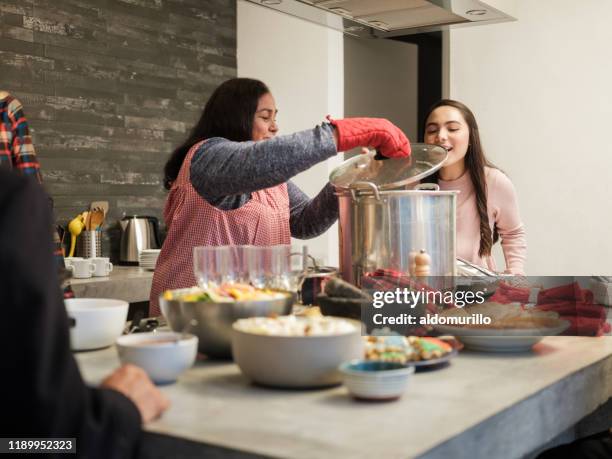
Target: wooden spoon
{"x":101,"y":205}
{"x":96,"y":218}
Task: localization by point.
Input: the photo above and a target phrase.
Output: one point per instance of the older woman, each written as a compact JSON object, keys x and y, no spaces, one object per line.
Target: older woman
{"x":229,"y":181}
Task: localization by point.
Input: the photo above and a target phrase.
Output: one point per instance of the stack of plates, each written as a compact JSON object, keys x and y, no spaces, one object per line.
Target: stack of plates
{"x":147,"y":258}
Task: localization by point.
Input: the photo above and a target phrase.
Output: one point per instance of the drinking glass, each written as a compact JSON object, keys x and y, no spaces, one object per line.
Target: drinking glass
{"x":240,"y":263}
{"x":212,"y":265}
{"x":269,"y":266}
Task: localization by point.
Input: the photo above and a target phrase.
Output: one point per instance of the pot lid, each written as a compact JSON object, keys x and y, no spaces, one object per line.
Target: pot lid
{"x":388,"y":173}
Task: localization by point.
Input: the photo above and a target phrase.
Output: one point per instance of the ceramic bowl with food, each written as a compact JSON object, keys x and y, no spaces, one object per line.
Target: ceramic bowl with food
{"x":211,"y":318}
{"x":163,"y":355}
{"x":295,"y":352}
{"x":509,"y":328}
{"x":95,"y":322}
{"x":376,"y":380}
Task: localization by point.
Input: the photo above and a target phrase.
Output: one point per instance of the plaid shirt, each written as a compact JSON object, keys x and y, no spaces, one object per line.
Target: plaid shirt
{"x":16,"y":149}
{"x":17,"y":153}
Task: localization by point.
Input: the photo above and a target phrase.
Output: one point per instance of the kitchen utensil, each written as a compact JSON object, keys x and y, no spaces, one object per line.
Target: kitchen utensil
{"x":313,"y":281}
{"x":102,"y":266}
{"x":342,"y":307}
{"x":376,"y":380}
{"x":212,"y":322}
{"x":137,"y":234}
{"x":382,"y":224}
{"x":387,"y":174}
{"x":90,"y":244}
{"x":102,"y":205}
{"x":270,"y":266}
{"x":135,"y":323}
{"x":148,"y":258}
{"x":464,"y":267}
{"x":96,"y":217}
{"x":295,"y":361}
{"x":75,"y":227}
{"x":81,"y":268}
{"x":212,"y":265}
{"x":162,"y":355}
{"x":98,"y":322}
{"x":433,"y":364}
{"x":501,"y":340}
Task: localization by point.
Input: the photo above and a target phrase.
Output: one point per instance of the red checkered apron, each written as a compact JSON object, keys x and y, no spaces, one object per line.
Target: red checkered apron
{"x":192,"y":221}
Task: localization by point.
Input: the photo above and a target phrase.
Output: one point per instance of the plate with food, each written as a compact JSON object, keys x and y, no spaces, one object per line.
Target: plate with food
{"x":421,"y":352}
{"x":502,"y":327}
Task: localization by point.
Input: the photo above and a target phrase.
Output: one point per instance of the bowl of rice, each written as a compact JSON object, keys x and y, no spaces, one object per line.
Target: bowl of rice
{"x":295,"y":352}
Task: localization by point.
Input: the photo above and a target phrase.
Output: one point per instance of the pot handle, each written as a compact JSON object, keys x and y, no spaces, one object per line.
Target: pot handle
{"x":427,"y":187}
{"x":356,"y":185}
{"x":308,"y":257}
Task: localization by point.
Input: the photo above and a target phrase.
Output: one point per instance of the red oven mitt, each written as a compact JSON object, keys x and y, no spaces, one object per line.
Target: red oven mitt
{"x":379,"y":133}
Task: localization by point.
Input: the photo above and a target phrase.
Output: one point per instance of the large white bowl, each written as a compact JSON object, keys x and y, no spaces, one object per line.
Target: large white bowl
{"x":163,"y":355}
{"x":97,"y":322}
{"x":295,"y":361}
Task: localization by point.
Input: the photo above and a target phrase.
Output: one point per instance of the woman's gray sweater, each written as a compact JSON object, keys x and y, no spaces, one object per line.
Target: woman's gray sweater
{"x":225,"y":173}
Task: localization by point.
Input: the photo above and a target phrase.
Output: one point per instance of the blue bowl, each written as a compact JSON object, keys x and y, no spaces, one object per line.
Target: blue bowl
{"x":376,"y":380}
{"x":371,"y":366}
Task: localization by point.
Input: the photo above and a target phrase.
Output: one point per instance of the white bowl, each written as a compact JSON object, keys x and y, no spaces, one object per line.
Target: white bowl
{"x":376,"y":380}
{"x":295,"y":361}
{"x":163,"y":355}
{"x":97,"y":322}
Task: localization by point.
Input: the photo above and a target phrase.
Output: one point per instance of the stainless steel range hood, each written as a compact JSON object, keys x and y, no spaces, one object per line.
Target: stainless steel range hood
{"x":389,"y":18}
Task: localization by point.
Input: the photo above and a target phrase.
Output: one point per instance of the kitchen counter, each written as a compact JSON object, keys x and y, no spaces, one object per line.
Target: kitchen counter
{"x":128,"y":283}
{"x":478,"y":406}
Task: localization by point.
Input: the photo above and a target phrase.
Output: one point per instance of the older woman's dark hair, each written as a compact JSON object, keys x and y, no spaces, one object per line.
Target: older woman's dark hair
{"x":475,"y":162}
{"x":228,"y":113}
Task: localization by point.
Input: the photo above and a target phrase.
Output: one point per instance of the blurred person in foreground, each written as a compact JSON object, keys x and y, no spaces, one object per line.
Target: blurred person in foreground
{"x":17,"y":153}
{"x":45,"y":395}
{"x":16,"y":148}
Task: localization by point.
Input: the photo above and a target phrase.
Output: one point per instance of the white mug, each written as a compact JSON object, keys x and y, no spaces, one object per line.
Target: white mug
{"x":102,"y":267}
{"x":68,"y":260}
{"x":81,"y":269}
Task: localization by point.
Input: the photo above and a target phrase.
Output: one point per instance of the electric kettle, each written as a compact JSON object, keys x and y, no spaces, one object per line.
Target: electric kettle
{"x":137,"y":233}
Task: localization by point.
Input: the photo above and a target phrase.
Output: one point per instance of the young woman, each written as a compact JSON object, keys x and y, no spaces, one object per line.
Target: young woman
{"x":487,"y":205}
{"x":229,"y":181}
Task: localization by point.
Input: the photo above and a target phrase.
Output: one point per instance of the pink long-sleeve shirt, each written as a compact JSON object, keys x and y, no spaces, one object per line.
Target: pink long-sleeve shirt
{"x":503,"y":210}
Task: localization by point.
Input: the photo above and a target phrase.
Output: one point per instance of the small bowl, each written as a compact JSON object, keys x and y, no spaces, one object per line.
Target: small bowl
{"x":163,"y":355}
{"x":97,"y":322}
{"x":376,"y":380}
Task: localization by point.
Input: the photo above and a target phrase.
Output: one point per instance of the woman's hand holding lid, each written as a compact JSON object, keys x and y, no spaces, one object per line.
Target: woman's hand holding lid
{"x":378,"y":133}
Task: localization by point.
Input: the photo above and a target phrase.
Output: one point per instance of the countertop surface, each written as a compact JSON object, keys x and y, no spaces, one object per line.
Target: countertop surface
{"x":477,"y":406}
{"x":128,"y":283}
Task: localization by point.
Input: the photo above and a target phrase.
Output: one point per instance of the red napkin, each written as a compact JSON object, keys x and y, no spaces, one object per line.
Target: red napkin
{"x":390,"y":279}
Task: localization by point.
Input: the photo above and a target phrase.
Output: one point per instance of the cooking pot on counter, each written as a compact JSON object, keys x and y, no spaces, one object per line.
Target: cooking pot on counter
{"x":384,"y":225}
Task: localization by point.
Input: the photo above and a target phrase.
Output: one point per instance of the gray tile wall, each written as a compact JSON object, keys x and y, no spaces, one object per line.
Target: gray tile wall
{"x":110,"y":87}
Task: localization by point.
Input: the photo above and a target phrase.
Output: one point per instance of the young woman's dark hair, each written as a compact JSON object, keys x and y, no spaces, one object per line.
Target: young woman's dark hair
{"x":228,"y":113}
{"x":475,"y":162}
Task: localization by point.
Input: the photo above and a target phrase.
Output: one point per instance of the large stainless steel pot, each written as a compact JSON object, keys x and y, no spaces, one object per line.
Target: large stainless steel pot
{"x":382,"y":228}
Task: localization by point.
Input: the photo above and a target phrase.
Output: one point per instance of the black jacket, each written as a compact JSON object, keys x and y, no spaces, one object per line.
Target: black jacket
{"x":43,"y":394}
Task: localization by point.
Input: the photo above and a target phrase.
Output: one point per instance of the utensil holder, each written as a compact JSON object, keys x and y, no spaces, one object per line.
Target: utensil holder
{"x":89,"y":244}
